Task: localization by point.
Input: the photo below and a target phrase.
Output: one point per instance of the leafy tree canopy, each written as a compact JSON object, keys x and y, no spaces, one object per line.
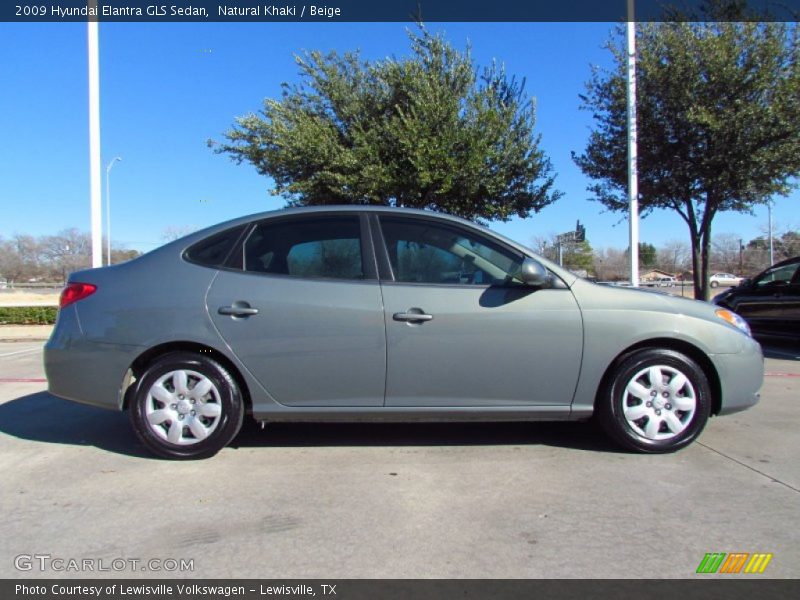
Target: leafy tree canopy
{"x":647,"y":255}
{"x":429,"y":131}
{"x":718,"y":122}
{"x":579,"y":256}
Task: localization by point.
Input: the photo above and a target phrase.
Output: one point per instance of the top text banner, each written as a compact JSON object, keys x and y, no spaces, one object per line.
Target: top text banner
{"x":387,"y":10}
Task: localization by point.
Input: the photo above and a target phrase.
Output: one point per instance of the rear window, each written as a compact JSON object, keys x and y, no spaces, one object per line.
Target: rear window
{"x":212,"y":251}
{"x":325,"y":247}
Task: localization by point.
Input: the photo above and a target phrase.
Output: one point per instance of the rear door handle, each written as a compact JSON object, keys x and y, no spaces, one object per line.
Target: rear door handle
{"x":238,"y":309}
{"x":412,"y":316}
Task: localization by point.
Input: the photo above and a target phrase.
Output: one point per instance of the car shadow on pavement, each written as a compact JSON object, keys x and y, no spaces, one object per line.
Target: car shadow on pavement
{"x":575,"y":435}
{"x":42,"y":417}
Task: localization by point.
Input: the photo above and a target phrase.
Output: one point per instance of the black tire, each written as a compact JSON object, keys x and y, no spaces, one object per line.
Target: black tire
{"x":219,"y":428}
{"x":714,"y":284}
{"x":634,"y":369}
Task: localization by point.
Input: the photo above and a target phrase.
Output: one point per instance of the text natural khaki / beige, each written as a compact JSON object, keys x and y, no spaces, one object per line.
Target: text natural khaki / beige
{"x":269,"y":10}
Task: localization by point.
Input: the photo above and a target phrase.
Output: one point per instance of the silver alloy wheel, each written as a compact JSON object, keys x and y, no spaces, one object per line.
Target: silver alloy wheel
{"x":183,"y":407}
{"x":659,"y":402}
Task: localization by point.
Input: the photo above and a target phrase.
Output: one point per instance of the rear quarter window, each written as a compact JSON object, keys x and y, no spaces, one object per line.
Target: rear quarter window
{"x":214,"y":250}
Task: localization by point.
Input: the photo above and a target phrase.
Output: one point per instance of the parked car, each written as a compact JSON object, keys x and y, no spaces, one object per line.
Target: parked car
{"x":718,"y":279}
{"x":371,"y":313}
{"x":770,"y":302}
{"x":667,"y":281}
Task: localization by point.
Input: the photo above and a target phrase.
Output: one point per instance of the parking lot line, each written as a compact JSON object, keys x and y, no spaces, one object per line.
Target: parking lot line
{"x":28,"y":351}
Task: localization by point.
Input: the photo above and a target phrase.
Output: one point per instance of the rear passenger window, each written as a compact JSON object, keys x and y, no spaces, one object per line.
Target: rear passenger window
{"x":212,"y":251}
{"x":325,"y":247}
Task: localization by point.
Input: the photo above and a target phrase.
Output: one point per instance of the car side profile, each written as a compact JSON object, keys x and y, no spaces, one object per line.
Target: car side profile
{"x":718,"y":279}
{"x":770,"y":301}
{"x":373,"y":313}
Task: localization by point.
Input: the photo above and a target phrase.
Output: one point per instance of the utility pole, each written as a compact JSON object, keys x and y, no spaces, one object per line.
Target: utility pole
{"x":771,"y":249}
{"x":741,"y":257}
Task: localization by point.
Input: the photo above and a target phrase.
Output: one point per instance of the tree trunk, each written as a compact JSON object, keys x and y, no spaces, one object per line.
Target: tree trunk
{"x":696,"y":240}
{"x":696,"y":266}
{"x":706,"y":253}
{"x":705,"y":247}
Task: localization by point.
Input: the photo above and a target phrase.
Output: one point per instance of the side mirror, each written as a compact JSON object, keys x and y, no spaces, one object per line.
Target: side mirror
{"x":745,"y":283}
{"x":533,"y":273}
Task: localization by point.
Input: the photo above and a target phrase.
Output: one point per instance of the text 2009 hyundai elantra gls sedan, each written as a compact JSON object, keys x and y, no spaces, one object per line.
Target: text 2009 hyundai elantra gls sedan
{"x":367,"y":313}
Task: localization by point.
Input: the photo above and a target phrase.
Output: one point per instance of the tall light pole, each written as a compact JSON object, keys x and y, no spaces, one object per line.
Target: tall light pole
{"x":95,"y":177}
{"x":108,"y":207}
{"x":633,"y":179}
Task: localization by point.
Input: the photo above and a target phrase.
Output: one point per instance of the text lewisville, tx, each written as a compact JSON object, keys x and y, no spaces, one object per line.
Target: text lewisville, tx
{"x":181,"y":590}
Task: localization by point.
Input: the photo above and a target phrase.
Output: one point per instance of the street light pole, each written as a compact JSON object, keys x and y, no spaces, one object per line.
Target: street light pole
{"x":95,"y":175}
{"x":108,"y":208}
{"x":633,"y":179}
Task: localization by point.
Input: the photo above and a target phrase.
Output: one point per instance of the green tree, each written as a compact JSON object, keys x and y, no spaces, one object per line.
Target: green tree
{"x":647,"y":255}
{"x":20,"y":258}
{"x":579,"y":256}
{"x":718,"y":124}
{"x":427,"y":131}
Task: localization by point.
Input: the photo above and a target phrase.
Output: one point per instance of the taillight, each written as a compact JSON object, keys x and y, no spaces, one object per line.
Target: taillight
{"x":76,"y":291}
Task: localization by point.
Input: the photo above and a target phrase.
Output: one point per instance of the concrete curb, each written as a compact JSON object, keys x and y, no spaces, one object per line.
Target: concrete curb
{"x":25,"y":333}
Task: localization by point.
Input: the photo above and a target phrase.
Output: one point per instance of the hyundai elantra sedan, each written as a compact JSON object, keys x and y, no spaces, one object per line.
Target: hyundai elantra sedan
{"x":371,"y":313}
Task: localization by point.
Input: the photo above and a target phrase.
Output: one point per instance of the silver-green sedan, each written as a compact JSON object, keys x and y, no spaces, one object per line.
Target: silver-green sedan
{"x":368,"y":313}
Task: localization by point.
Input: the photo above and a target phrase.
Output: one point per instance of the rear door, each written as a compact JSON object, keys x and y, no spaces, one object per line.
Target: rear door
{"x":461,"y":331}
{"x":301,"y":308}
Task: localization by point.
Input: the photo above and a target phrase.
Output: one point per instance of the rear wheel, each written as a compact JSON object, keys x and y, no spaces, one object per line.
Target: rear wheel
{"x":186,"y":406}
{"x":714,"y":284}
{"x":656,"y":401}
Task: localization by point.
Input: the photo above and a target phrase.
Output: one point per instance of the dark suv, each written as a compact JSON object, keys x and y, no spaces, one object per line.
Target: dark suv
{"x":770,"y":302}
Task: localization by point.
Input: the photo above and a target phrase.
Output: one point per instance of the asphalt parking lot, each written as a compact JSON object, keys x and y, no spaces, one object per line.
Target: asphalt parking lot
{"x":394,"y":501}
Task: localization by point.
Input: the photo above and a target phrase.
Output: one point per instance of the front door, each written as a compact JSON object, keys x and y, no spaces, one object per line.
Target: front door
{"x":463,"y":331}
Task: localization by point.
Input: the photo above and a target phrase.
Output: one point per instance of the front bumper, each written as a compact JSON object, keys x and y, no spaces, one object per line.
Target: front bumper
{"x":741,"y":376}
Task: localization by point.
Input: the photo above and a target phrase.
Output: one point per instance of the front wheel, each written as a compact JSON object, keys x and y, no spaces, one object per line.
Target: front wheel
{"x":656,"y":401}
{"x":186,"y":406}
{"x":714,"y":284}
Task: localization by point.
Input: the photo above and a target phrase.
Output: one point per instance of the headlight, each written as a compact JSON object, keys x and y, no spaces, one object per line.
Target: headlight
{"x":732,"y":318}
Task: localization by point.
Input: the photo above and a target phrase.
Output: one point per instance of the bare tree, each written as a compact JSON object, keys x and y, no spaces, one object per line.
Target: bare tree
{"x":174,"y":232}
{"x":611,"y":264}
{"x":67,"y":251}
{"x":20,"y":258}
{"x":726,"y":254}
{"x":52,"y":257}
{"x":673,"y":256}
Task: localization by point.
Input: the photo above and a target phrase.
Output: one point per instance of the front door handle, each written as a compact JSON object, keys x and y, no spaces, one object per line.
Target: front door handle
{"x":238,"y":309}
{"x":413,"y":315}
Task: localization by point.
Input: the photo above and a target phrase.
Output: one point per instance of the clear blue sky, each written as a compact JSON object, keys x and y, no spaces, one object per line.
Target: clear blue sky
{"x":167,"y":88}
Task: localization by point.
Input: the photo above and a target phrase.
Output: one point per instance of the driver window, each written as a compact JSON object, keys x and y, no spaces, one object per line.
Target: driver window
{"x":778,"y":276}
{"x":425,"y":252}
